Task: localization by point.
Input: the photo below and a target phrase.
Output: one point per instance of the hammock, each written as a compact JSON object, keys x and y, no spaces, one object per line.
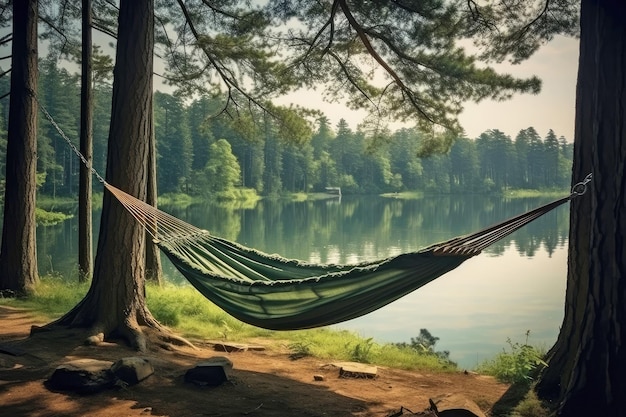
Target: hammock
{"x":284,"y":294}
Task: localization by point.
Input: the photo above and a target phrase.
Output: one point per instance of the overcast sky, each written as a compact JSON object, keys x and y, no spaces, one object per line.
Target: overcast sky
{"x":553,"y":108}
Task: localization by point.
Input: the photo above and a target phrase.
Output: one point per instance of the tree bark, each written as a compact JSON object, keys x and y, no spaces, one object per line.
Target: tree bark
{"x":85,"y":246}
{"x":18,"y":257}
{"x":154,"y":270}
{"x":115,"y":303}
{"x":586,"y":367}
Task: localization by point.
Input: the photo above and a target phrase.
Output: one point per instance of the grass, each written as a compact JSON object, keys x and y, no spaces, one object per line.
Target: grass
{"x":51,"y":298}
{"x":524,"y":193}
{"x":516,"y":365}
{"x":50,"y":218}
{"x":176,"y":199}
{"x":189,"y":313}
{"x":405,"y":195}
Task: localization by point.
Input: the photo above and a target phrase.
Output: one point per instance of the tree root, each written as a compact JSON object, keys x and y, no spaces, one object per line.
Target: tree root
{"x":177,"y":340}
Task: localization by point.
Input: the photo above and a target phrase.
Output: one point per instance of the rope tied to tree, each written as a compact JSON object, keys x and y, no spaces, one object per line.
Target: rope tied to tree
{"x":60,"y":131}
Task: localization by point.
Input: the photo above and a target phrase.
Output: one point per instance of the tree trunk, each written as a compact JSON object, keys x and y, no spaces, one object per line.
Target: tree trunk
{"x":154,"y":270}
{"x":18,"y":257}
{"x":587,"y":362}
{"x":115,"y":303}
{"x":85,"y":246}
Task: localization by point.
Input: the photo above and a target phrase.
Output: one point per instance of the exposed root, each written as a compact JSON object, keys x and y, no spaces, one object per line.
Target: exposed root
{"x":176,"y":340}
{"x":138,"y":328}
{"x":165,"y":339}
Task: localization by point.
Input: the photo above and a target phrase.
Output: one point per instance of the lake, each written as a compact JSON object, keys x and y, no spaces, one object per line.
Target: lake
{"x":515,"y":286}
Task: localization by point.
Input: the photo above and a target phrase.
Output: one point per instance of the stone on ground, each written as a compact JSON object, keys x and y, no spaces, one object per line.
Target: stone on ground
{"x":132,"y":370}
{"x":356,"y":370}
{"x":211,"y":372}
{"x":83,"y":376}
{"x":235,"y":347}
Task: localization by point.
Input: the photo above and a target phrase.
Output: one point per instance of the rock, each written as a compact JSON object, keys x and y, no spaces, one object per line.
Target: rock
{"x":356,"y":370}
{"x":455,"y":405}
{"x":212,"y":372}
{"x":318,"y":377}
{"x":230,"y":347}
{"x":95,"y":339}
{"x":132,"y":370}
{"x":236,"y":347}
{"x":84,"y":376}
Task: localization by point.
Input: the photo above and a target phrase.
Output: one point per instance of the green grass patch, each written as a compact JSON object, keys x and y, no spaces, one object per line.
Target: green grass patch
{"x":405,"y":195}
{"x":176,"y":200}
{"x":50,"y":203}
{"x":236,"y":197}
{"x":530,"y":406}
{"x":524,"y":193}
{"x":50,"y":218}
{"x":51,"y":298}
{"x":298,"y":197}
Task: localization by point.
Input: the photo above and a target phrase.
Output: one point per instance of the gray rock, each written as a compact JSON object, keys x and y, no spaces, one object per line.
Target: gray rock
{"x":132,"y":370}
{"x":211,"y":372}
{"x":84,"y":376}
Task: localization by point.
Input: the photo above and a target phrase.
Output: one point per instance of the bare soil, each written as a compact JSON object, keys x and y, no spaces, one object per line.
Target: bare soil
{"x":262,"y":383}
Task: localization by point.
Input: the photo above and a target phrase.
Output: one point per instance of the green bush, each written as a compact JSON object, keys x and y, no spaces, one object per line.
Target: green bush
{"x":424,"y":344}
{"x":518,"y":365}
{"x":50,"y":218}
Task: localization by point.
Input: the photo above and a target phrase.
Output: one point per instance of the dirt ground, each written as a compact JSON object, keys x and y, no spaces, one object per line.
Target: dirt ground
{"x":262,"y":383}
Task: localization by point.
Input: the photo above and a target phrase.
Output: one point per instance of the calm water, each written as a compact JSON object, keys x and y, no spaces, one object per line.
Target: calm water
{"x":516,"y":285}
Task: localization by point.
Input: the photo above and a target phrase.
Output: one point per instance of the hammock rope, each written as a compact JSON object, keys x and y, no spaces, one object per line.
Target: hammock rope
{"x":273,"y":292}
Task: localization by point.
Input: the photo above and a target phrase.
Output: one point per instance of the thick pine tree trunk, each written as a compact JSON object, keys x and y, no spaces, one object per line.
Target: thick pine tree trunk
{"x":85,"y":229}
{"x":587,"y":363}
{"x":18,"y":257}
{"x":116,"y":304}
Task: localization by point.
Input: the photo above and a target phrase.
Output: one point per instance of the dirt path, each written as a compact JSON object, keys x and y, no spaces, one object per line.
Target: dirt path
{"x":265,"y":383}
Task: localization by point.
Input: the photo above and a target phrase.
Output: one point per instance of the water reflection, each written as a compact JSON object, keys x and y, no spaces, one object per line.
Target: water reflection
{"x":516,"y":285}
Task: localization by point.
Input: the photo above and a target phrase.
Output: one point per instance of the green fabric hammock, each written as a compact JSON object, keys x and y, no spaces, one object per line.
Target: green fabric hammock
{"x":283,"y":294}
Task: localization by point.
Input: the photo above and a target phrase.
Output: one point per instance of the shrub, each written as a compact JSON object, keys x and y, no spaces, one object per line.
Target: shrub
{"x":517,"y":365}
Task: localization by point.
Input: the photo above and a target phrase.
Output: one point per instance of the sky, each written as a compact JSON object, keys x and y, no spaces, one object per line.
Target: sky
{"x":556,"y":64}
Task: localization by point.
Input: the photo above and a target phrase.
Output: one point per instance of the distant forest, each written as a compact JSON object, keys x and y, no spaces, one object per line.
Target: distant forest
{"x":209,"y":156}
